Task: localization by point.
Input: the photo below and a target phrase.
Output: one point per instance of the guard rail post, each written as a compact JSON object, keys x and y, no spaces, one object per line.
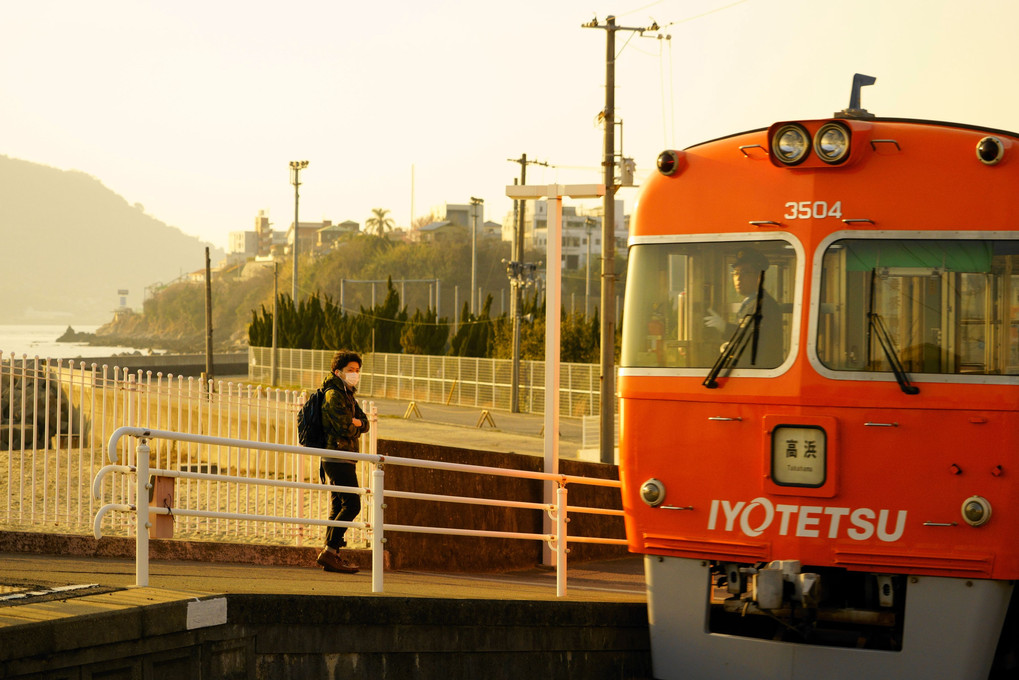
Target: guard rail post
{"x":560,"y":541}
{"x":141,"y":511}
{"x":377,"y":486}
{"x":377,"y":536}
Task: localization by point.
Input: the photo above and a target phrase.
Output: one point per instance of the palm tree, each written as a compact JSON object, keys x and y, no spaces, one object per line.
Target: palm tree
{"x":378,"y":222}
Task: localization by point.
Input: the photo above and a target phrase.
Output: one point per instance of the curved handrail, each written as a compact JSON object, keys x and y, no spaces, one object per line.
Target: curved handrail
{"x":105,"y":470}
{"x":97,"y":529}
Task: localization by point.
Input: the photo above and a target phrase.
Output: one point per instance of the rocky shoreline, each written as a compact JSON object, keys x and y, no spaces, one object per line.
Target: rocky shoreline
{"x":176,"y":343}
{"x":71,"y":335}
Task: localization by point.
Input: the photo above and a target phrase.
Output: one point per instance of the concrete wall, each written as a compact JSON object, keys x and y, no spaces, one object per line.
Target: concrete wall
{"x":464,"y":553}
{"x":187,"y":365}
{"x":353,"y":638}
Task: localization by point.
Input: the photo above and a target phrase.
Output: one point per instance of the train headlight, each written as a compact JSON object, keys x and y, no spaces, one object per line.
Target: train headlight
{"x":976,"y":511}
{"x":668,"y":163}
{"x":831,"y":143}
{"x":652,"y":492}
{"x":791,"y":144}
{"x":990,"y":150}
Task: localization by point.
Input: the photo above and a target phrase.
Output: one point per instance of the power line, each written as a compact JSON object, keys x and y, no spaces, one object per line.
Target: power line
{"x":704,"y":14}
{"x":687,"y":19}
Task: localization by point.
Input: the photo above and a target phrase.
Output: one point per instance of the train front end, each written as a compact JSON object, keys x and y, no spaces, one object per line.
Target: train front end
{"x":819,"y":389}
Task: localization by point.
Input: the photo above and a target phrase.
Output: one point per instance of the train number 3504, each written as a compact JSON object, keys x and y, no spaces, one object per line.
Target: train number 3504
{"x":805,"y":210}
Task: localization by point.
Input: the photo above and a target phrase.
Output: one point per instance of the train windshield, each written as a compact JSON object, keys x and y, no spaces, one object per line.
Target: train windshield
{"x":934,"y":306}
{"x":685,"y":302}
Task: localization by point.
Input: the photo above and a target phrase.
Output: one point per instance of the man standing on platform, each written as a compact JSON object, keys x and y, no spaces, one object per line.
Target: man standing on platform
{"x":343,"y":422}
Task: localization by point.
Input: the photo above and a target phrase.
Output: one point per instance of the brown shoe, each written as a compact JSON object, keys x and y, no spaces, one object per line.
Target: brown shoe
{"x":331,"y":561}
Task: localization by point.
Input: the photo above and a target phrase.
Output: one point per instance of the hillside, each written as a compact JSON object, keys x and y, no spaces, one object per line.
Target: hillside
{"x":174,"y":317}
{"x":70,"y":243}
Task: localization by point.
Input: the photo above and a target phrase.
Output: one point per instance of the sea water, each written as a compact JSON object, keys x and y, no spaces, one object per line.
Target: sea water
{"x":40,"y":340}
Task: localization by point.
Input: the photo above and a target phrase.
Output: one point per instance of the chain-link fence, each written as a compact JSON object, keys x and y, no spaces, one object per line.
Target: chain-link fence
{"x":463,"y":381}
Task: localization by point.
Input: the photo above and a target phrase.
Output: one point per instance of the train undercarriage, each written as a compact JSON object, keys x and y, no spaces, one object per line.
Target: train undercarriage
{"x":780,"y":620}
{"x":825,"y":606}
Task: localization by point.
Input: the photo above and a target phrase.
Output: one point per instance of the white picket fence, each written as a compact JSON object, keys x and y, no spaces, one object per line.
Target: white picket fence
{"x":56,"y":415}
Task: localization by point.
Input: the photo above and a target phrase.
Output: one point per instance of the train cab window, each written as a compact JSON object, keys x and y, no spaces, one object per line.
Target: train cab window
{"x":947,"y":306}
{"x":685,"y":301}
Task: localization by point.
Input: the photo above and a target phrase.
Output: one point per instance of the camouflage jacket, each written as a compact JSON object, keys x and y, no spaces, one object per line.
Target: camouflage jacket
{"x":339,"y":409}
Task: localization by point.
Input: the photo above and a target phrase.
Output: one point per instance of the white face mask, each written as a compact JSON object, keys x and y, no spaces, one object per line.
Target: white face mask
{"x":350,"y":377}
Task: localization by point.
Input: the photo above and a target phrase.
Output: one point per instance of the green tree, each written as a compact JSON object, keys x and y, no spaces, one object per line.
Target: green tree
{"x":425,"y":334}
{"x":317,"y":323}
{"x":579,"y":345}
{"x":378,"y":222}
{"x":378,"y":329}
{"x":474,"y":335}
{"x":532,"y":332}
{"x":260,"y":328}
{"x":335,"y":332}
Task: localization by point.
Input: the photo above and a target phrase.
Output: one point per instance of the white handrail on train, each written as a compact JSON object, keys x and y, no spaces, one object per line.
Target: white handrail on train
{"x":376,"y":494}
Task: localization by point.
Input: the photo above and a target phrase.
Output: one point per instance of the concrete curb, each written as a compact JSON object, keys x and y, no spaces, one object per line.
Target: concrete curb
{"x":159,"y":549}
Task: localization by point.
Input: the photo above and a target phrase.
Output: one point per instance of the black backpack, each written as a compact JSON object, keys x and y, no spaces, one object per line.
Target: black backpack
{"x":309,"y":421}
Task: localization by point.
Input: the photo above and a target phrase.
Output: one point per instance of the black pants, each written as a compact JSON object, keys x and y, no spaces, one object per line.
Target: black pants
{"x":343,"y":506}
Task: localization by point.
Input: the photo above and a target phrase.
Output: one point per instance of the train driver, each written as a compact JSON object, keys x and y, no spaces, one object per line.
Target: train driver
{"x":746,"y":271}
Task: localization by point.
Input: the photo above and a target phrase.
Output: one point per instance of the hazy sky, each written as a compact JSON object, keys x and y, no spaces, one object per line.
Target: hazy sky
{"x":194,"y":108}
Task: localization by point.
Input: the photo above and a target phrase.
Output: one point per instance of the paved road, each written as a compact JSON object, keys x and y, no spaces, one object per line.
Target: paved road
{"x":458,"y":426}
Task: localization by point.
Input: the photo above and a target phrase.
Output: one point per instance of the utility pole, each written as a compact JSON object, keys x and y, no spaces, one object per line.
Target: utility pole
{"x":607,"y":430}
{"x":208,"y":316}
{"x":517,"y":256}
{"x":295,"y":179}
{"x":475,"y":204}
{"x":275,"y":319}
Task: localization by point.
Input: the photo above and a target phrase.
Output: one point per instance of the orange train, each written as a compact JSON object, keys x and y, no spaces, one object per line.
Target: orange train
{"x":819,"y":401}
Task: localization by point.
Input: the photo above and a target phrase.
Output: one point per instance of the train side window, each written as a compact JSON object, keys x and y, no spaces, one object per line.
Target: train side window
{"x":948,"y":306}
{"x":683,"y":301}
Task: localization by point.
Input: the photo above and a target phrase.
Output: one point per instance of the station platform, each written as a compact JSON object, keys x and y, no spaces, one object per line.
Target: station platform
{"x":79,"y":617}
{"x":619,"y":580}
{"x":65,"y":615}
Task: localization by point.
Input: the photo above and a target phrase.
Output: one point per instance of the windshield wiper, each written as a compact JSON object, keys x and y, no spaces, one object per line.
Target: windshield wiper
{"x":876,"y":326}
{"x":737,"y":343}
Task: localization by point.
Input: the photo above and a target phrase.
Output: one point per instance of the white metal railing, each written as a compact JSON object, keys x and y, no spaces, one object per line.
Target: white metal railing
{"x":374,"y":524}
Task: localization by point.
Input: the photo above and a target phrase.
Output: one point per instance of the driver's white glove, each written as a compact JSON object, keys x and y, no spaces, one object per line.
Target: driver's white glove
{"x":713,"y":320}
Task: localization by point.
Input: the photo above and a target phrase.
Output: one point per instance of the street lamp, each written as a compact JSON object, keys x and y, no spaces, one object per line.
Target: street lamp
{"x":521,"y":276}
{"x":475,"y":202}
{"x":588,"y":223}
{"x":295,"y":179}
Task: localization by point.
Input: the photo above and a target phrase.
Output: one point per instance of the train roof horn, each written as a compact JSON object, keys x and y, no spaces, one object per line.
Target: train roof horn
{"x":854,"y":110}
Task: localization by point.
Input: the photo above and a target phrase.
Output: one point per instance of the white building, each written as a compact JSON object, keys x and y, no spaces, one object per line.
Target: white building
{"x":242,"y":243}
{"x":582,"y":231}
